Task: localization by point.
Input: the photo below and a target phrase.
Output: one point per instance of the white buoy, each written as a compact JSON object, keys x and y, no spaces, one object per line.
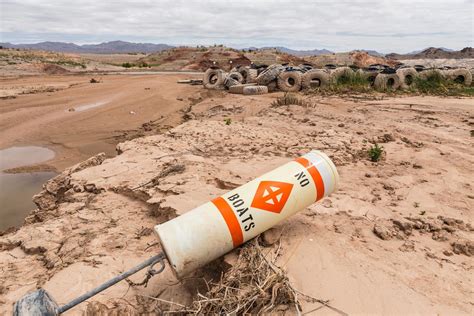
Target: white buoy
{"x":214,"y":228}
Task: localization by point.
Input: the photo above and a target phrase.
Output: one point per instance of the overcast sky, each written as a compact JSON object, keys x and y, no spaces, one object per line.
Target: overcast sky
{"x":338,"y":25}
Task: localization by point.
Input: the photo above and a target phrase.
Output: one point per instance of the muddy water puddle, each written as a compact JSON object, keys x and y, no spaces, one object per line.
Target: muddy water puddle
{"x":17,"y":189}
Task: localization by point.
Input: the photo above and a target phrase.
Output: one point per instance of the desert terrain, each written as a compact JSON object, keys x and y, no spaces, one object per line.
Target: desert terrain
{"x":396,"y":238}
{"x":106,"y":152}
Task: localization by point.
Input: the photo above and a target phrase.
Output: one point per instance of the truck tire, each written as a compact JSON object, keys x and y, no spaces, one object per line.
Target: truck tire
{"x":289,"y":81}
{"x":385,"y":82}
{"x":340,"y":73}
{"x":315,"y":78}
{"x":254,"y":90}
{"x":239,"y":88}
{"x":460,"y":75}
{"x":229,"y":82}
{"x":368,"y":75}
{"x":407,"y":77}
{"x":213,"y":79}
{"x":236,"y":76}
{"x":272,"y":86}
{"x":269,"y":74}
{"x":431,"y":73}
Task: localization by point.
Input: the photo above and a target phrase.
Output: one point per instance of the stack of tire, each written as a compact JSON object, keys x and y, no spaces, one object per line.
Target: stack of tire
{"x":276,"y":77}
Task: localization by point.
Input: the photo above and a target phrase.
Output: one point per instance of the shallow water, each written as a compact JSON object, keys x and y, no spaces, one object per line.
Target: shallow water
{"x":17,"y":189}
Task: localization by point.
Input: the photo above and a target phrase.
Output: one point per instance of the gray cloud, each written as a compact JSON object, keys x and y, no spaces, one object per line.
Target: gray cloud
{"x":398,"y":25}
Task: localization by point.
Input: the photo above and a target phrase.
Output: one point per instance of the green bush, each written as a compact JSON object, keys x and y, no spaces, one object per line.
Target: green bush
{"x":375,"y":152}
{"x":127,"y":65}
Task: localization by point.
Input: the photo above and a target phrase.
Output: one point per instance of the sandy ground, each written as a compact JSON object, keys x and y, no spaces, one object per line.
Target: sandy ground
{"x":396,"y":238}
{"x":78,"y":119}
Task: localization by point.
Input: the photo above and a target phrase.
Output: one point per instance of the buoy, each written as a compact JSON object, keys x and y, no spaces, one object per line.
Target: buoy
{"x":211,"y":230}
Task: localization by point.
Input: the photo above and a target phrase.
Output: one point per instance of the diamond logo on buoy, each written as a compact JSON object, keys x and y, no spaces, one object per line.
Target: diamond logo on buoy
{"x":272,"y":196}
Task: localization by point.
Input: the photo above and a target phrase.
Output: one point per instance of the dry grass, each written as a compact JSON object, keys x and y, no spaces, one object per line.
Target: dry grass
{"x":254,"y":285}
{"x":290,"y":99}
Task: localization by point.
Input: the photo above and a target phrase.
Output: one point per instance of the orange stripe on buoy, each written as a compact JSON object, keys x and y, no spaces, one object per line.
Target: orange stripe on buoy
{"x":313,"y":171}
{"x":231,"y":220}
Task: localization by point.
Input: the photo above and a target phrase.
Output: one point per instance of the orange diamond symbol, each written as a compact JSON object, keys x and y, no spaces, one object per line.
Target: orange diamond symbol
{"x":272,"y":196}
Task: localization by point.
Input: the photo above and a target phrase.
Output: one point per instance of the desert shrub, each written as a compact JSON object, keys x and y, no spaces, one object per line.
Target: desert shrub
{"x":128,"y":65}
{"x":143,"y":64}
{"x":375,"y":152}
{"x":289,"y":99}
{"x":228,"y":121}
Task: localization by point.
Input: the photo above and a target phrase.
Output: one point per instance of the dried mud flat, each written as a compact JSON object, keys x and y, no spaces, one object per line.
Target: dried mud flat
{"x":396,"y":238}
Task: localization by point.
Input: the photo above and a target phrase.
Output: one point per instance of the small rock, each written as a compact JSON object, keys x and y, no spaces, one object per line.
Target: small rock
{"x":382,"y":232}
{"x":271,"y":236}
{"x":465,"y":247}
{"x":341,"y":125}
{"x":71,"y":110}
{"x":417,"y":166}
{"x":90,"y":187}
{"x":447,"y":253}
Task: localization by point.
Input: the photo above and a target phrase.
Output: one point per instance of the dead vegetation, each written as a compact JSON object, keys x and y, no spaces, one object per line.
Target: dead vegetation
{"x":255,"y":285}
{"x":290,"y":99}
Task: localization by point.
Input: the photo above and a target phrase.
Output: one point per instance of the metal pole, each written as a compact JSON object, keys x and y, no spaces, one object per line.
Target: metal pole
{"x":82,"y":298}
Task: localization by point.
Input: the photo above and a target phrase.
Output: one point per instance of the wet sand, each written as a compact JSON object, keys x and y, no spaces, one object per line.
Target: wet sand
{"x":78,"y":119}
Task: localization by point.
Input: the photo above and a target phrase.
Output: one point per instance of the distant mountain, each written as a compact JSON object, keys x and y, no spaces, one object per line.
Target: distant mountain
{"x":420,"y":50}
{"x":312,"y":52}
{"x":436,"y":53}
{"x":370,"y":52}
{"x":113,"y":47}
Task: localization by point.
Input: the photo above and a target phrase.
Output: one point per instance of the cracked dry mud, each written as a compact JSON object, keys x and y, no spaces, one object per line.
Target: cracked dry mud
{"x":396,"y":238}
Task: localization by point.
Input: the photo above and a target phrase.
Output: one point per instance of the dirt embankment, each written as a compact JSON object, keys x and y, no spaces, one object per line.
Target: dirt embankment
{"x":395,"y":236}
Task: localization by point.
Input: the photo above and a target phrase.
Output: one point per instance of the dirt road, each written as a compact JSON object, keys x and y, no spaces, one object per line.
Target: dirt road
{"x":78,"y":119}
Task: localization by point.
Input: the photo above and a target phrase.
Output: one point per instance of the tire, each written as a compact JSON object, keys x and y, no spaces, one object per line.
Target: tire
{"x":385,"y":82}
{"x":254,"y":90}
{"x":289,"y":81}
{"x":239,"y":88}
{"x":315,"y":78}
{"x":244,"y":71}
{"x":229,"y":82}
{"x":237,"y":76}
{"x":368,"y":75}
{"x":272,"y":86}
{"x":460,"y":75}
{"x":407,"y":77}
{"x":341,"y":72}
{"x":213,"y":79}
{"x":429,"y":73}
{"x":252,"y":76}
{"x":269,"y":74}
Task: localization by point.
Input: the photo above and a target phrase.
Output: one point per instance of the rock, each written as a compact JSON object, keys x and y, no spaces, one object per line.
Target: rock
{"x":465,"y":247}
{"x":447,"y":253}
{"x":382,"y":232}
{"x":405,"y":227}
{"x":440,"y":236}
{"x":271,"y":236}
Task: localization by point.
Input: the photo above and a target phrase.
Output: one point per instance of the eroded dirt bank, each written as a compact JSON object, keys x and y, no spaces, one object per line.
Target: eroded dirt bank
{"x":397,"y":238}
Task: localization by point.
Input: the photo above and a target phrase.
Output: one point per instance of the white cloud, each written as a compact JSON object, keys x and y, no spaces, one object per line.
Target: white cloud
{"x":398,"y":25}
